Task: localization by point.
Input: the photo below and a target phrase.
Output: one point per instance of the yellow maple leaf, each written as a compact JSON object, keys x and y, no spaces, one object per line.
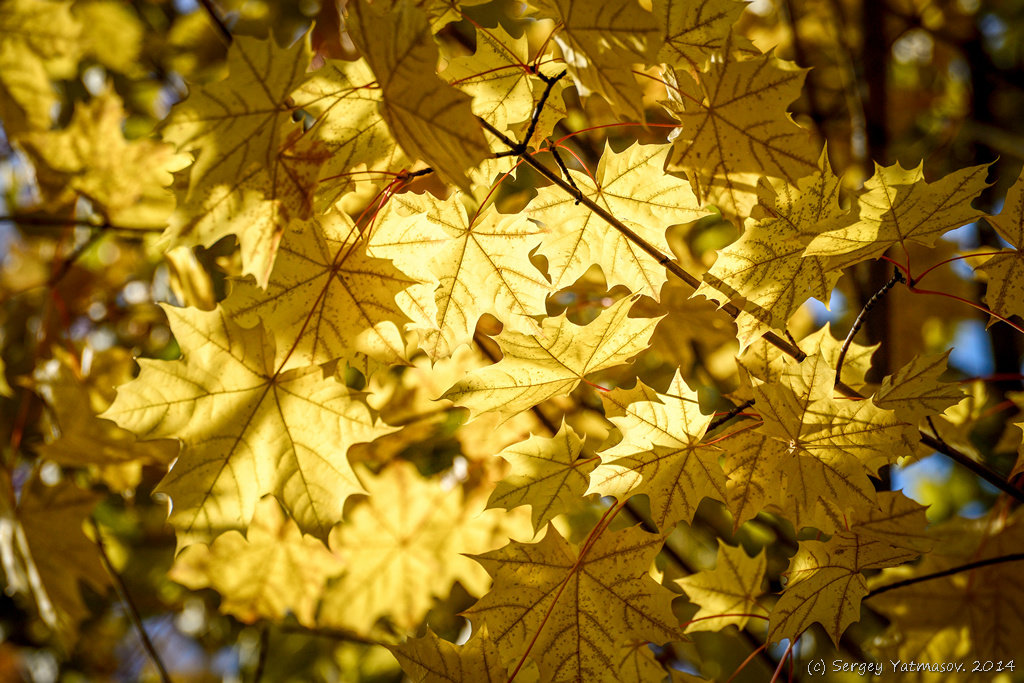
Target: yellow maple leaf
{"x":729,"y":129}
{"x":660,"y":454}
{"x":326,"y":298}
{"x":914,"y":391}
{"x":481,"y":264}
{"x":831,"y":445}
{"x":826,"y":584}
{"x":127,"y":180}
{"x":765,"y":271}
{"x":899,"y":207}
{"x":241,"y":120}
{"x":574,"y":606}
{"x":547,"y":474}
{"x":1005,"y":271}
{"x":248,"y":429}
{"x":429,"y":119}
{"x":631,"y":185}
{"x":271,"y":571}
{"x":755,"y":478}
{"x":246,"y":179}
{"x":430,"y":659}
{"x":729,"y":592}
{"x":37,"y":40}
{"x":502,"y":90}
{"x":345,"y":101}
{"x":693,"y":31}
{"x":400,"y":557}
{"x":536,"y":368}
{"x":601,"y":42}
{"x":46,"y":554}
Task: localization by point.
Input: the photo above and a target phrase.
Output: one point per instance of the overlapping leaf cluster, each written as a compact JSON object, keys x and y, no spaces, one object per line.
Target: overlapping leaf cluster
{"x":381,"y":251}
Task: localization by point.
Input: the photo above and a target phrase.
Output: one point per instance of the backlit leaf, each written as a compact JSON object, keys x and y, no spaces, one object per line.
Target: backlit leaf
{"x":536,"y":368}
{"x":729,"y":592}
{"x":248,"y":429}
{"x":576,"y":605}
{"x":430,"y":120}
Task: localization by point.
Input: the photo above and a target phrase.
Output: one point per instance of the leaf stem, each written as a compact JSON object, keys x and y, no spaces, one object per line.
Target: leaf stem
{"x":897,"y":276}
{"x":730,"y":415}
{"x":1015,"y":557}
{"x":126,"y":598}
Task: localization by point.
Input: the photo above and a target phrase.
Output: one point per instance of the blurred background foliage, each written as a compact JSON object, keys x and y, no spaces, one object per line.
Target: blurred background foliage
{"x":891,"y":80}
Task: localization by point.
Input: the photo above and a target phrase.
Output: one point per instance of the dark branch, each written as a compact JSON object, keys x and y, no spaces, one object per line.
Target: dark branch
{"x":218,"y":20}
{"x":126,"y":598}
{"x":897,"y":276}
{"x":56,"y":223}
{"x":1015,"y":557}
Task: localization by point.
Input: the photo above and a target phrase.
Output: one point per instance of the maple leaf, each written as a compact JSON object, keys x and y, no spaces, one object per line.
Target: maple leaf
{"x":729,"y":128}
{"x":245,"y":180}
{"x":37,"y":40}
{"x":345,"y":101}
{"x":754,"y":477}
{"x":482,"y":265}
{"x":271,"y":571}
{"x":830,"y":446}
{"x":547,"y":474}
{"x":826,"y":585}
{"x":126,"y":180}
{"x":693,"y":31}
{"x":494,"y":76}
{"x":432,"y":659}
{"x":898,"y":207}
{"x":825,"y":580}
{"x":46,"y":554}
{"x":429,"y":119}
{"x":326,"y":298}
{"x":400,"y":557}
{"x":729,"y":592}
{"x":661,"y":455}
{"x":914,"y":392}
{"x":765,"y":270}
{"x":600,"y":43}
{"x":248,"y":429}
{"x":536,"y":368}
{"x":629,"y":184}
{"x":1005,"y":271}
{"x":575,"y":606}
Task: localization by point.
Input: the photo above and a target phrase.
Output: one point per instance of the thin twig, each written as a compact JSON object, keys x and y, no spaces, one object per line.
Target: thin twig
{"x":1015,"y":557}
{"x":973,"y":465}
{"x":72,"y":258}
{"x":549,"y":84}
{"x":897,"y":276}
{"x":126,"y":598}
{"x":733,"y":412}
{"x":218,"y":20}
{"x":261,"y":661}
{"x":333,"y":634}
{"x":57,"y":223}
{"x":565,"y":171}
